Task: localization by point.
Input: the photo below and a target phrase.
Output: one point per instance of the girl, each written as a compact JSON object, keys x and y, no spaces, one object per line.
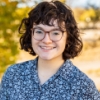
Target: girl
{"x":51,"y":33}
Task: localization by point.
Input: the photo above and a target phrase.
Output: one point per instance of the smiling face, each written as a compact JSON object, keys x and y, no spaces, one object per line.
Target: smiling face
{"x":46,"y":48}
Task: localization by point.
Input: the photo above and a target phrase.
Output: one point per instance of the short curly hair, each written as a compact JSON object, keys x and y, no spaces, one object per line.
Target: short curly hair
{"x":43,"y":13}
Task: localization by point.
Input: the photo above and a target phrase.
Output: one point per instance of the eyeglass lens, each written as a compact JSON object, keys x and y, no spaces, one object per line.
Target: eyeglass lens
{"x":54,"y":35}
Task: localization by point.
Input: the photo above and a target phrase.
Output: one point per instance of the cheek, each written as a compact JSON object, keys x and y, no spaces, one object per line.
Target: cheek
{"x":62,"y":45}
{"x":34,"y":43}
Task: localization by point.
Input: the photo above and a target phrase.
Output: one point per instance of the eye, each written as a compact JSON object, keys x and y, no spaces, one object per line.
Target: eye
{"x":56,"y":33}
{"x":38,"y":31}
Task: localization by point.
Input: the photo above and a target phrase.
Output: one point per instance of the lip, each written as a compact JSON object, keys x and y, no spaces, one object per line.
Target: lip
{"x":47,"y":48}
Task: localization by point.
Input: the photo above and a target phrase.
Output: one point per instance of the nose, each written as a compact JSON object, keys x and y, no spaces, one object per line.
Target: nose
{"x":47,"y":39}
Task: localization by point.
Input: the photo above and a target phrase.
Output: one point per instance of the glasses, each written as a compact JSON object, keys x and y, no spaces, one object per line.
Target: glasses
{"x":39,"y":34}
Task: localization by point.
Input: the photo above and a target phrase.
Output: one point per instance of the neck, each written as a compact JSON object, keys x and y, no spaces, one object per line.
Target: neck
{"x":47,"y":68}
{"x":50,"y":65}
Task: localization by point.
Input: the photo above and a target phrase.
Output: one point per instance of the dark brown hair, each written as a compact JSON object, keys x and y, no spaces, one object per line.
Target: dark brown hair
{"x":43,"y":13}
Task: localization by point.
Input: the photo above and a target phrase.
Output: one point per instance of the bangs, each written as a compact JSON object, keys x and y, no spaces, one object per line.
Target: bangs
{"x":46,"y":14}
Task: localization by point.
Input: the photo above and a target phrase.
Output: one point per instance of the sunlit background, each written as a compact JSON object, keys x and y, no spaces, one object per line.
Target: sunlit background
{"x":87,"y":14}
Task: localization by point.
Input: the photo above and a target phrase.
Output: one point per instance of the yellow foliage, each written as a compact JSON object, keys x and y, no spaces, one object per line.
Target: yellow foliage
{"x":87,"y":15}
{"x":63,"y":1}
{"x":21,"y":11}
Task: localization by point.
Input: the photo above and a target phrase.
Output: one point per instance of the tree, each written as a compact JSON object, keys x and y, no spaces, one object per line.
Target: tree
{"x":10,"y":17}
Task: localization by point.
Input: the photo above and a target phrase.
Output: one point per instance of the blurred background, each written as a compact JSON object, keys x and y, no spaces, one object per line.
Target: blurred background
{"x":87,"y":14}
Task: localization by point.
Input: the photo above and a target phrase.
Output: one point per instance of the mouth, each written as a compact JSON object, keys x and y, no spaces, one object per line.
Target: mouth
{"x":46,"y":47}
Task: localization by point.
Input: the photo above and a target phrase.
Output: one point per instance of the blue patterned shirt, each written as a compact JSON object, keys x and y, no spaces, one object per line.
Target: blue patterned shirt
{"x":21,"y":82}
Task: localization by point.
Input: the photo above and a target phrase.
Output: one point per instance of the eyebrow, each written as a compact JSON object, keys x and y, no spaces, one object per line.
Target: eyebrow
{"x":56,"y":28}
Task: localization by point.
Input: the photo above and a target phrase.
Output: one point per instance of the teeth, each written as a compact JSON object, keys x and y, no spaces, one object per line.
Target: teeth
{"x":47,"y":48}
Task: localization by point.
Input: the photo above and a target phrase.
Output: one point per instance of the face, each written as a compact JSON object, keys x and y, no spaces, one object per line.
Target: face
{"x":46,"y":48}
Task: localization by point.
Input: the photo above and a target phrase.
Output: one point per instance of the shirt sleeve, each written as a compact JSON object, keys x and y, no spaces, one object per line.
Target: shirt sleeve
{"x":6,"y":84}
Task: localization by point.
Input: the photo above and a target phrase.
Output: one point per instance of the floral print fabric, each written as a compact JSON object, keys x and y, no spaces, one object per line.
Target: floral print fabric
{"x":21,"y":82}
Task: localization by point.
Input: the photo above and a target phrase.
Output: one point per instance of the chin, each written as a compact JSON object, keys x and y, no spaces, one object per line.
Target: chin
{"x":46,"y":58}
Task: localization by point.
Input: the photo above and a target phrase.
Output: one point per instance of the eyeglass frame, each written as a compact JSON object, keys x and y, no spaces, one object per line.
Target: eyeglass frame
{"x":46,"y":32}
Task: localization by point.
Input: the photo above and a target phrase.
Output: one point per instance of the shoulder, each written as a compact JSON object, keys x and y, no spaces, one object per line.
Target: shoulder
{"x":80,"y":76}
{"x":76,"y":75}
{"x":85,"y":84}
{"x":18,"y":69}
{"x":71,"y":73}
{"x":81,"y":82}
{"x":21,"y":66}
{"x":78,"y":81}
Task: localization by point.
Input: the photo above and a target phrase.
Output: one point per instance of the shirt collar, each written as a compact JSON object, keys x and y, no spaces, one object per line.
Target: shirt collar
{"x":65,"y":71}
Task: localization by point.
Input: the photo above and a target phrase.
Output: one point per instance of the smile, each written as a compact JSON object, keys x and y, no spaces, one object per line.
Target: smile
{"x":47,"y":47}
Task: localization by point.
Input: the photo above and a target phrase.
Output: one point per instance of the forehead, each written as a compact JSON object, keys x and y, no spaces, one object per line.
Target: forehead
{"x":53,"y":24}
